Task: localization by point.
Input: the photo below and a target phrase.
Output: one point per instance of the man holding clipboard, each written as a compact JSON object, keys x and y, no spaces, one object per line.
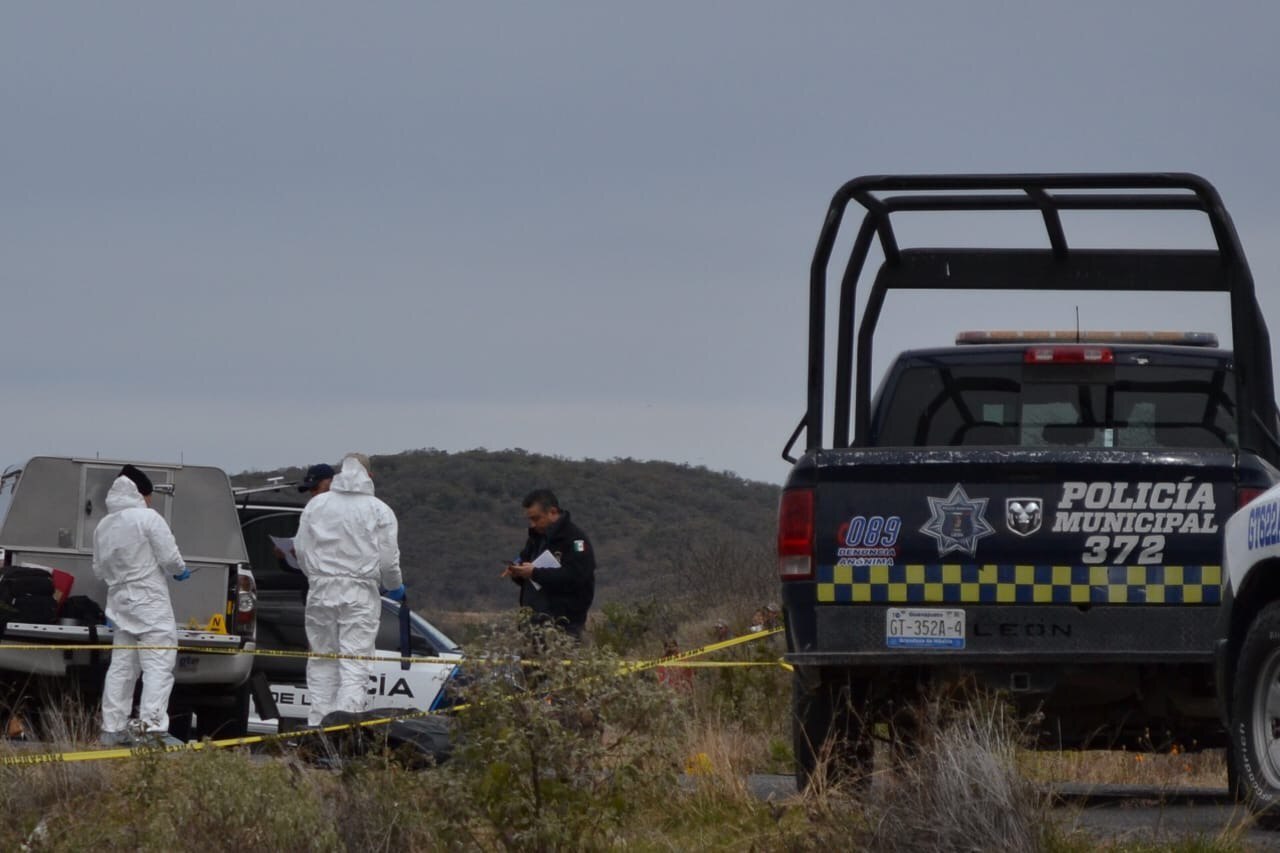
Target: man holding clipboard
{"x":556,"y":569}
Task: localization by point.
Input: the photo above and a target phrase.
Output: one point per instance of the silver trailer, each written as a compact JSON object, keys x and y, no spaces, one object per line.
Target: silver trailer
{"x":48,"y":511}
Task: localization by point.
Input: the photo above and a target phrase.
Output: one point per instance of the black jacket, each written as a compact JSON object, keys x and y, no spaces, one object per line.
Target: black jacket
{"x":566,"y":592}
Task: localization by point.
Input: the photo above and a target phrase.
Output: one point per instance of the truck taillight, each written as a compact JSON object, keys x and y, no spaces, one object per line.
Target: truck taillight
{"x":1245,"y":496}
{"x":1069,"y":355}
{"x":795,"y":534}
{"x":246,"y":603}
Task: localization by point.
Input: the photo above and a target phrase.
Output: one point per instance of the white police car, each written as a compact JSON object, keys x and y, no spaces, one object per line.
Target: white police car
{"x":395,"y":681}
{"x":269,"y":514}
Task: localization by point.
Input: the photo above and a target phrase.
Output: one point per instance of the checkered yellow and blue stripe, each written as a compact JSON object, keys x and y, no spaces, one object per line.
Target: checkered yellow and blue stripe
{"x":1019,"y":584}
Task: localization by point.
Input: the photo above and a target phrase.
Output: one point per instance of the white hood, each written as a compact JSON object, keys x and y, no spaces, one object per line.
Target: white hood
{"x":133,"y":550}
{"x":347,"y":532}
{"x":352,"y":478}
{"x":123,"y":495}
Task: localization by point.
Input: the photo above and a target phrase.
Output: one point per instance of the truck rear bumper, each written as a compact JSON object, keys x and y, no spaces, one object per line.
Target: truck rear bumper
{"x":856,"y":635}
{"x":229,"y":667}
{"x":960,"y":659}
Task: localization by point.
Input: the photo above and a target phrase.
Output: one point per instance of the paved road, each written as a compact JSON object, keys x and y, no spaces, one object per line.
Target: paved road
{"x":1133,"y":813}
{"x":1127,"y":813}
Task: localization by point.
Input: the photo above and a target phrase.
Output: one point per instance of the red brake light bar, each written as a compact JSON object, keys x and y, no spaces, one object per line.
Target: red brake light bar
{"x":1069,"y":355}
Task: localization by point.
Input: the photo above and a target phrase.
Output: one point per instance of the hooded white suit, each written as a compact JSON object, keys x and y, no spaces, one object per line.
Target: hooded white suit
{"x":133,"y":550}
{"x":347,"y":545}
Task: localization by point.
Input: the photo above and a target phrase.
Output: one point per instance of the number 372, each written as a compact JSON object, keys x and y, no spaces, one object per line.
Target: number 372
{"x":1118,"y":550}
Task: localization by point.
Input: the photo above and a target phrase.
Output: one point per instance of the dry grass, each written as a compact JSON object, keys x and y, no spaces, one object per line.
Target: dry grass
{"x":721,"y":751}
{"x":1204,"y":769}
{"x":961,"y":789}
{"x":968,"y":786}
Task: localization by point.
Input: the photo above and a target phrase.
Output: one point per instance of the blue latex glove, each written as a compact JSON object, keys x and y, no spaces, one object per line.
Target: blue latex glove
{"x":183,"y":575}
{"x":396,"y":594}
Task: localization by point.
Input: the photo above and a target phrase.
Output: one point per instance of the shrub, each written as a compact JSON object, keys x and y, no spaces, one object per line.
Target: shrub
{"x":624,"y":628}
{"x":555,"y":753}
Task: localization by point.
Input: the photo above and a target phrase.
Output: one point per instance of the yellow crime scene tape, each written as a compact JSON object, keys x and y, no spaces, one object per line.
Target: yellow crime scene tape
{"x":631,"y":666}
{"x":682,"y":659}
{"x":215,"y":650}
{"x":113,"y":753}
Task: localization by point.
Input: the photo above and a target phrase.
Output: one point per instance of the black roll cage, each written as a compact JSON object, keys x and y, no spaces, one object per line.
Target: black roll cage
{"x":1058,"y":267}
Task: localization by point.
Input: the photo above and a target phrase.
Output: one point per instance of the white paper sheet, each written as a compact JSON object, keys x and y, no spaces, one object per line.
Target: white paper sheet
{"x":284,"y":544}
{"x":546,"y":560}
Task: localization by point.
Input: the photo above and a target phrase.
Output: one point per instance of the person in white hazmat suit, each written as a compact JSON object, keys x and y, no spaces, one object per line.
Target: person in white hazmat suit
{"x":347,"y":546}
{"x":133,"y":550}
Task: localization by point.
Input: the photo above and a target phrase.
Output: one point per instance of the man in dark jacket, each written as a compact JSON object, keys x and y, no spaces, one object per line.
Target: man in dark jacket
{"x":560,"y":587}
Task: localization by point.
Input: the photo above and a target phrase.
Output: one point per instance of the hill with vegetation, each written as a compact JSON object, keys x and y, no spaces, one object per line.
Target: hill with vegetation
{"x":662,"y":531}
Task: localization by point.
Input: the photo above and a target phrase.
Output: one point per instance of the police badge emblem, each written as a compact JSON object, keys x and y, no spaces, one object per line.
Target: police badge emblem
{"x":957,"y":522}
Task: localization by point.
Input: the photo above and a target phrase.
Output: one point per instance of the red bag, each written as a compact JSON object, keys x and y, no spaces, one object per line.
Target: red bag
{"x":62,"y":582}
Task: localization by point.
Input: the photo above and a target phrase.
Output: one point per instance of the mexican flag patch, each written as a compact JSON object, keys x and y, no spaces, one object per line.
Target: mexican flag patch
{"x":579,"y":545}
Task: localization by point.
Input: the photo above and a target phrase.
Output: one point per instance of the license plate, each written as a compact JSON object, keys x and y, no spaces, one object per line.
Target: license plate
{"x":923,"y":628}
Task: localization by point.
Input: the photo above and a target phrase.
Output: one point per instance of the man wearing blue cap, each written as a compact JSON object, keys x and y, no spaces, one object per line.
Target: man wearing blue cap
{"x":318,"y":479}
{"x":315,"y":482}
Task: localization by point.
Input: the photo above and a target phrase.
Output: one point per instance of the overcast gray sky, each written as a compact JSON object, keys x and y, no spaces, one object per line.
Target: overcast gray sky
{"x":261,"y":234}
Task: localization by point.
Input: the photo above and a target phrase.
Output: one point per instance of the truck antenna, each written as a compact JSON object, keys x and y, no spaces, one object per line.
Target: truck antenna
{"x":1077,"y":324}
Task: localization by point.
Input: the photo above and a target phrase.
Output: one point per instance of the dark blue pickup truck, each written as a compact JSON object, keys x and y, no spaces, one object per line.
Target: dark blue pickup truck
{"x":1035,"y":512}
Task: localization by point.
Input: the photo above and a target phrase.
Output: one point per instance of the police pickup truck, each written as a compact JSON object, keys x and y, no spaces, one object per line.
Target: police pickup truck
{"x":1037,"y":512}
{"x":400,"y":678}
{"x":49,"y":508}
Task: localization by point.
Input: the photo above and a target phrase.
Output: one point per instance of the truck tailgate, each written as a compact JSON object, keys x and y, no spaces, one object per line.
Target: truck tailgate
{"x":1106,"y":553}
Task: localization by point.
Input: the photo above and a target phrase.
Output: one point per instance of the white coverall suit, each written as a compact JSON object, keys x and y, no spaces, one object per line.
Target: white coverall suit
{"x":133,"y":550}
{"x":347,"y":545}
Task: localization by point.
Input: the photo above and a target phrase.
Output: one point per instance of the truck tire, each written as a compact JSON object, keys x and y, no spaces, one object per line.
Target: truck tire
{"x":830,"y":733}
{"x":1255,"y":718}
{"x":226,"y":718}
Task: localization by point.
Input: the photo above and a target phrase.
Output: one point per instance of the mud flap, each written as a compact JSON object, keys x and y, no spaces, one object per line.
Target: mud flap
{"x":260,"y":689}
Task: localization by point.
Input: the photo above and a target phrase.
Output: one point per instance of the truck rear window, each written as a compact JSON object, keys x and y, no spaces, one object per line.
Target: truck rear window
{"x":1015,"y":405}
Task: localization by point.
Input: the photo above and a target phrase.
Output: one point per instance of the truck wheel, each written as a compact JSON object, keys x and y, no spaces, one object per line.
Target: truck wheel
{"x":226,"y":718}
{"x":830,"y":732}
{"x":1255,"y":718}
